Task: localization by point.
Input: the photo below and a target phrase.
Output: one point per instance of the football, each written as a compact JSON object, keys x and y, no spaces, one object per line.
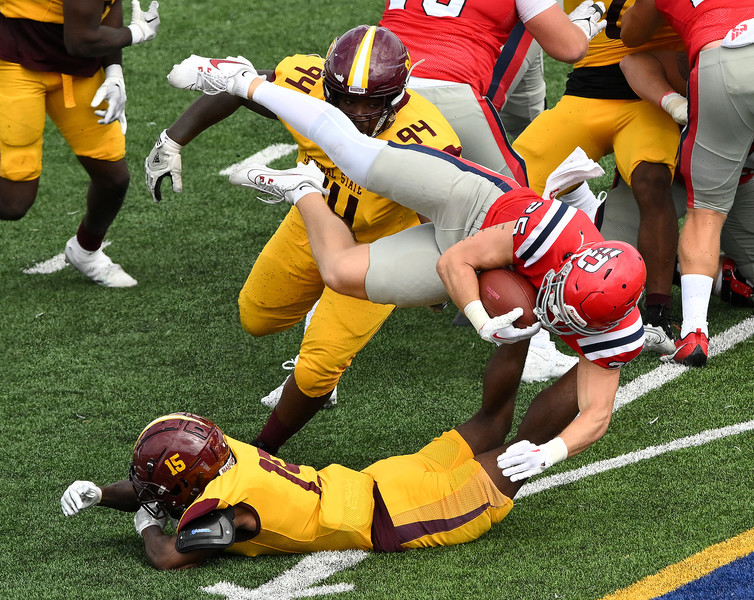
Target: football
{"x":502,"y":290}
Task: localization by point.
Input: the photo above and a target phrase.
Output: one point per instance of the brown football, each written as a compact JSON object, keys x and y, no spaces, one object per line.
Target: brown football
{"x":502,"y":290}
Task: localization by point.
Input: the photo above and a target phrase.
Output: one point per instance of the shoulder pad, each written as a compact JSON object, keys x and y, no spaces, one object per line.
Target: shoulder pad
{"x":215,"y":530}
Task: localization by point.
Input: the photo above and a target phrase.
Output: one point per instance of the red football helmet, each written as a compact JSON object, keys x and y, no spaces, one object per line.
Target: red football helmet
{"x":368,"y":62}
{"x":175,"y":457}
{"x":593,"y":290}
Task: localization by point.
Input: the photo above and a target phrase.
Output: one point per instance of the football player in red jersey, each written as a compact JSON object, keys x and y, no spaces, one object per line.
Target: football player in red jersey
{"x":461,"y":69}
{"x":589,"y":287}
{"x":63,"y":59}
{"x":719,"y":39}
{"x":225,"y":495}
{"x":601,"y":114}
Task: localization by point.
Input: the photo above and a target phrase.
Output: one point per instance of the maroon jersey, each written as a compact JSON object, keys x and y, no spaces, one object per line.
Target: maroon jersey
{"x":700,"y":22}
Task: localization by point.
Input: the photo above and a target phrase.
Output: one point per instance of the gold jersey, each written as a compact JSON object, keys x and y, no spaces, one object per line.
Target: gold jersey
{"x":369,"y":216}
{"x":299,"y":508}
{"x":606,"y":48}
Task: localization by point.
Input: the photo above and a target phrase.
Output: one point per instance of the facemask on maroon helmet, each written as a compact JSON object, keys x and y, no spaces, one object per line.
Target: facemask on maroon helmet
{"x":593,"y":290}
{"x":368,"y":62}
{"x":174,"y":459}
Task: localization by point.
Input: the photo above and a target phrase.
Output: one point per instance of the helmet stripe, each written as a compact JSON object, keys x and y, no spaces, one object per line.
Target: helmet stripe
{"x":359,"y":76}
{"x":166,"y":418}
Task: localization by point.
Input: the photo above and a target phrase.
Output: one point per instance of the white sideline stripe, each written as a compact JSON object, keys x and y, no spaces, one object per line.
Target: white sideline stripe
{"x":669,"y":371}
{"x":265,"y":157}
{"x":52,"y":265}
{"x":632,"y":457}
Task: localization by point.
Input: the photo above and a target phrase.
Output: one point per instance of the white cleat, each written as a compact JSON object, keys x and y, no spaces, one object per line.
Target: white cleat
{"x":279,"y":185}
{"x":211,"y":75}
{"x":97,"y":266}
{"x":657,"y":340}
{"x":546,"y":362}
{"x":271,"y":400}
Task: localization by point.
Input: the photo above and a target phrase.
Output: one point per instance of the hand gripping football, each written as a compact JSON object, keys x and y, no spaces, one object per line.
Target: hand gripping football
{"x":502,"y":290}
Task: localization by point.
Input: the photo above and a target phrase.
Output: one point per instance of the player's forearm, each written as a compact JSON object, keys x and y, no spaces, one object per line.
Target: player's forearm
{"x":205,"y":112}
{"x":162,"y":554}
{"x":84,"y":33}
{"x":584,"y":431}
{"x":120,"y":496}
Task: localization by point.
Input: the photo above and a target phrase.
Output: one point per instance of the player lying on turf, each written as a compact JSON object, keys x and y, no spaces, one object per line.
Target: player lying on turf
{"x":227,"y":495}
{"x":589,"y":287}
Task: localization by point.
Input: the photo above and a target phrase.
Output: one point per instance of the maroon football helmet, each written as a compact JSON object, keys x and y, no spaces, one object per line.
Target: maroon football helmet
{"x":175,"y":457}
{"x":593,"y":289}
{"x":368,"y":62}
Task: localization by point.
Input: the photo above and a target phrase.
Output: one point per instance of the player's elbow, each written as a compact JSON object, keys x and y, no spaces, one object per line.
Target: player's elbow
{"x":77,"y":47}
{"x":632,"y":38}
{"x":570,"y":49}
{"x":340,"y":277}
{"x":87,"y":44}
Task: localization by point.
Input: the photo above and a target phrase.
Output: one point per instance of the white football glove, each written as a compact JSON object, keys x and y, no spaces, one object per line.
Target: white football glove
{"x":112,"y":91}
{"x":143,"y":25}
{"x":524,"y":459}
{"x":142,"y":520}
{"x":233,"y":75}
{"x":164,"y":161}
{"x":677,"y":107}
{"x":78,"y":496}
{"x":587,"y":17}
{"x":500,"y":330}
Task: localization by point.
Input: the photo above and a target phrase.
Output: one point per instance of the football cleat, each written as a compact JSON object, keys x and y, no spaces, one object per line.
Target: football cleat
{"x":213,"y":75}
{"x":691,"y":351}
{"x":271,"y":400}
{"x":658,"y":332}
{"x":97,"y":266}
{"x":288,"y":184}
{"x":546,"y":362}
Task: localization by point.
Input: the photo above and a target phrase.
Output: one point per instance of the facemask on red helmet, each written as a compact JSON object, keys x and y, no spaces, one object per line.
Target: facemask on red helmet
{"x":174,"y":459}
{"x":593,"y":290}
{"x":368,"y":62}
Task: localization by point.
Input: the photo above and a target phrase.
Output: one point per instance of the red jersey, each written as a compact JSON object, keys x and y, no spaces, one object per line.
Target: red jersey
{"x":547,"y":232}
{"x":458,"y":41}
{"x":700,"y":22}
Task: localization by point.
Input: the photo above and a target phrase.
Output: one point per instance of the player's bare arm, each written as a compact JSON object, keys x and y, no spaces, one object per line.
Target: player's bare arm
{"x":86,"y":34}
{"x":596,"y":388}
{"x":489,"y":248}
{"x":639,"y":23}
{"x":558,"y":36}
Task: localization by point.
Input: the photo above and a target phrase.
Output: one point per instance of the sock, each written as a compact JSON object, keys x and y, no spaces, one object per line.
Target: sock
{"x":583,"y":198}
{"x":88,"y":241}
{"x":695,"y":293}
{"x":658,"y":300}
{"x":717,"y":286}
{"x":274,"y":434}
